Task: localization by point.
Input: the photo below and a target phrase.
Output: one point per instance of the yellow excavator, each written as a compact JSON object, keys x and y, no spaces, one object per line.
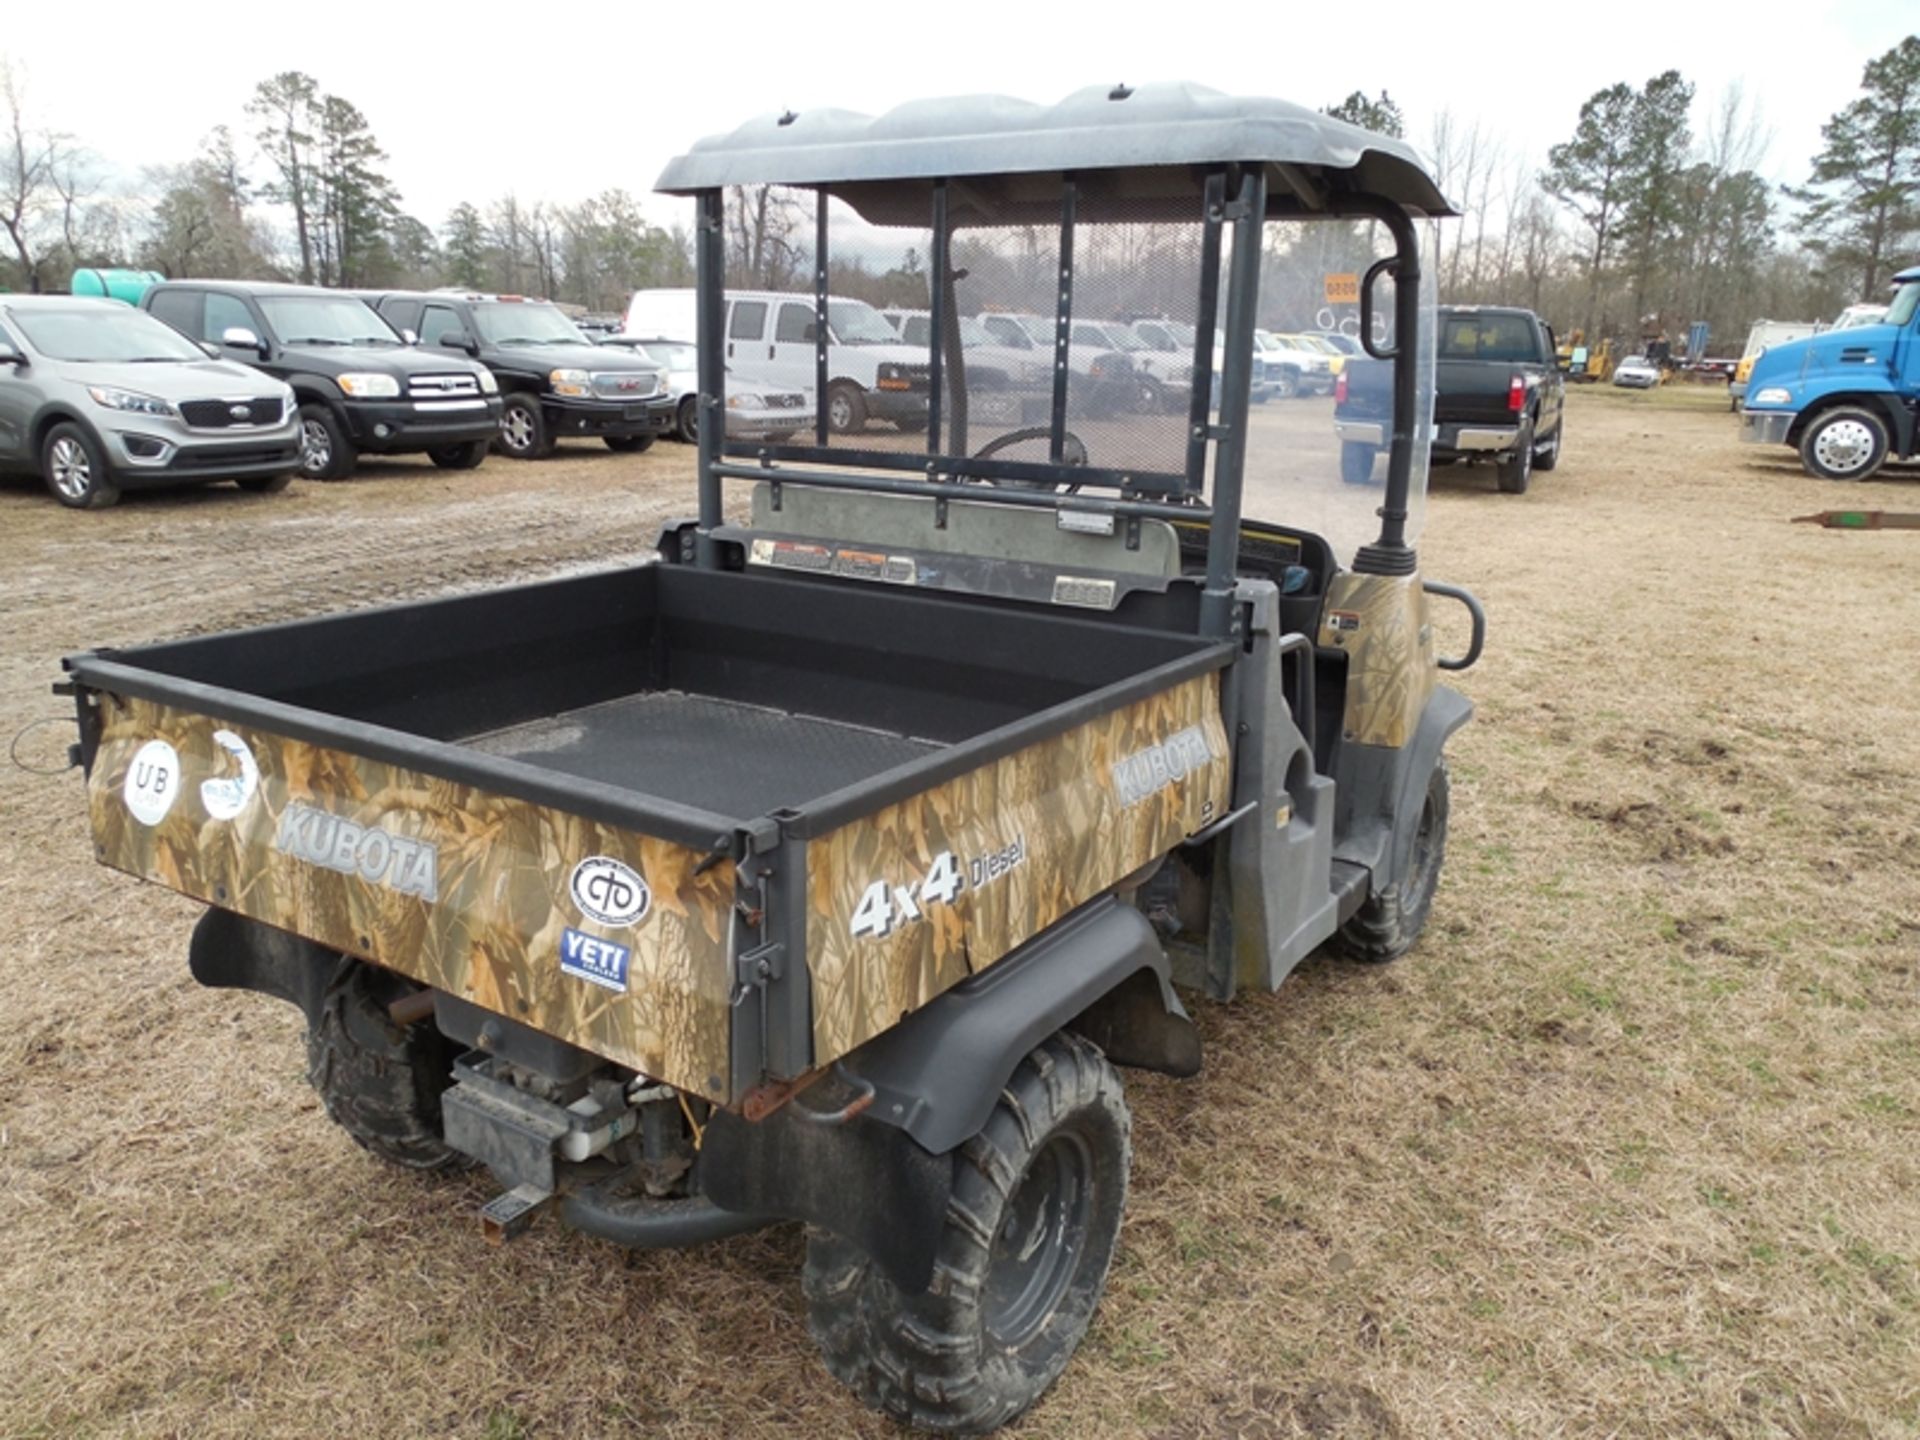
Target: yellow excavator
{"x":1581,"y":365}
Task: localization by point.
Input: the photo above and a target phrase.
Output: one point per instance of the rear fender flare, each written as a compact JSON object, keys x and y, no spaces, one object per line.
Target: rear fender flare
{"x":881,"y":1178}
{"x":938,"y":1073}
{"x":232,"y":952}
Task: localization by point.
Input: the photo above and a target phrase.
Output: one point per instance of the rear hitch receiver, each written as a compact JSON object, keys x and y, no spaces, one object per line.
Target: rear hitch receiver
{"x":506,"y":1217}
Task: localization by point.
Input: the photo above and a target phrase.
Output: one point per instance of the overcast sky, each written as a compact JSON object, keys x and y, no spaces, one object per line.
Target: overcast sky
{"x":554,"y":102}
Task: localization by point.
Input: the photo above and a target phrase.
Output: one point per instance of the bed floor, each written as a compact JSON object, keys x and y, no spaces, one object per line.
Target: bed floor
{"x":720,"y":755}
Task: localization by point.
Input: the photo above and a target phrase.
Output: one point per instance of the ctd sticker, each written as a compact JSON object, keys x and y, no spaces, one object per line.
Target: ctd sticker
{"x":228,"y":795}
{"x":588,"y":957}
{"x":610,"y":891}
{"x":153,"y":781}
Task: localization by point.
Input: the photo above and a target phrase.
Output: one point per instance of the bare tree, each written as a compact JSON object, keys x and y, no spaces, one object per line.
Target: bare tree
{"x":762,"y":223}
{"x":27,"y":169}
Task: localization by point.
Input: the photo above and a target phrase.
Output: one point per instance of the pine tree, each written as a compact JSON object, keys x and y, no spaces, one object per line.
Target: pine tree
{"x":465,"y":247}
{"x":358,"y":202}
{"x":284,"y":110}
{"x":1657,"y":144}
{"x":1590,"y":175}
{"x":1863,"y":197}
{"x":1381,"y":116}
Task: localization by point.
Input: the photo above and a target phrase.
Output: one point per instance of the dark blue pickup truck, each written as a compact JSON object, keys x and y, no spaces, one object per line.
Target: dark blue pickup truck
{"x":1498,"y":396}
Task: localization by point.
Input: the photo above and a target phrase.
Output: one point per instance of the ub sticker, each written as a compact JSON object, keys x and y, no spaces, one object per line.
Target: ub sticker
{"x":610,"y":891}
{"x":226,"y":796}
{"x":153,"y":780}
{"x":588,"y":957}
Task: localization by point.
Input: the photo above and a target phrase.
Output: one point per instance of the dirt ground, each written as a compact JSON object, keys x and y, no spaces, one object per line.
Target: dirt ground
{"x":1630,"y":1146}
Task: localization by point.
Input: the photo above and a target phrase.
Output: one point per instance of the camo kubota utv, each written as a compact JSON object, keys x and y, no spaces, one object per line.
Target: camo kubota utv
{"x":825,"y":869}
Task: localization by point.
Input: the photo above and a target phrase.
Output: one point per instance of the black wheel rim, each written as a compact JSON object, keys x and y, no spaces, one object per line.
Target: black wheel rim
{"x":1041,"y":1239}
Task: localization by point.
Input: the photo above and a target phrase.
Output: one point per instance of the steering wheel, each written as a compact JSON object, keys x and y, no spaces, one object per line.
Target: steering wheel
{"x":1073,"y":451}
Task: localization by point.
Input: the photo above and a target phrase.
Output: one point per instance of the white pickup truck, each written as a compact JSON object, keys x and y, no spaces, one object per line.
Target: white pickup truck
{"x":1293,"y":369}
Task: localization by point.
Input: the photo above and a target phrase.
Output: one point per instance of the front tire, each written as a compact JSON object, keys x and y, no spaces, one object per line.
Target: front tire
{"x":1286,"y":382}
{"x":846,"y":408}
{"x":326,"y":452}
{"x":1390,"y":922}
{"x":629,"y":444}
{"x":686,"y":421}
{"x":1846,"y":443}
{"x":75,"y":469}
{"x":523,"y":430}
{"x":1022,"y":1260}
{"x":1514,"y":470}
{"x":380,"y":1082}
{"x":460,"y":457}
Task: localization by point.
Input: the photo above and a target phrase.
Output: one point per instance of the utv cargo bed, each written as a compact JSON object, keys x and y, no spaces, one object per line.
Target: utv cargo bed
{"x":562,"y":801}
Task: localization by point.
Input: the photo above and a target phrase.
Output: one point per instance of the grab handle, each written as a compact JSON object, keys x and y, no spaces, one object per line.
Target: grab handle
{"x":1466,"y":598}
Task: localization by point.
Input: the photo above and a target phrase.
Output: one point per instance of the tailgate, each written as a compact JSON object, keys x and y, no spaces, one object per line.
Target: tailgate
{"x":610,"y":939}
{"x":1473,"y":392}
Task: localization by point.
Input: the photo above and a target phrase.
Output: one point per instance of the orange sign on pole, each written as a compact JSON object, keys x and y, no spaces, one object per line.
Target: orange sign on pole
{"x":1343,"y":289}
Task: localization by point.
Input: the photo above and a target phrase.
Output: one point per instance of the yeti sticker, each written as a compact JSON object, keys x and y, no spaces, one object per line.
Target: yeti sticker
{"x":610,"y":891}
{"x":153,"y":780}
{"x":588,"y":957}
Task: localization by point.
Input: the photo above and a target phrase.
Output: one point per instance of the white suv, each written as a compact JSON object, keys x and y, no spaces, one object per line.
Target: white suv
{"x":871,"y":375}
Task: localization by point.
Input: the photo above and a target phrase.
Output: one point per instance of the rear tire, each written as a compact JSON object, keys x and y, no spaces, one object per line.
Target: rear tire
{"x":326,"y":452}
{"x":686,"y":421}
{"x":1356,"y":462}
{"x":1848,"y":442}
{"x":460,"y":457}
{"x":1514,"y":470}
{"x":1390,"y":922}
{"x":1022,"y":1260}
{"x":629,"y":444}
{"x":1286,"y":382}
{"x":75,"y":469}
{"x":1547,"y":454}
{"x":379,"y":1081}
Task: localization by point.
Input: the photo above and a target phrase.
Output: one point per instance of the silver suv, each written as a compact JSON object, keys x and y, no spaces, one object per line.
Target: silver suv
{"x":97,"y":397}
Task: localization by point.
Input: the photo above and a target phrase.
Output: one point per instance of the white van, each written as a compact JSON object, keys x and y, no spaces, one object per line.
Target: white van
{"x":871,"y":375}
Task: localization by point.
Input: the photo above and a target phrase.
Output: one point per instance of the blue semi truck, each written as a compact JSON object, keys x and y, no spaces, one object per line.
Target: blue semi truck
{"x":1848,"y":399}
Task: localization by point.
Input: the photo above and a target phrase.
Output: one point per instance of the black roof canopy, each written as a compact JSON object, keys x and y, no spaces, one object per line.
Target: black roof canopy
{"x":1003,"y":156}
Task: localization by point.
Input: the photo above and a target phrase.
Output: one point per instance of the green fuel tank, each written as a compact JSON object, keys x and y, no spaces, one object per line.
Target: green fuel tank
{"x":127,"y":285}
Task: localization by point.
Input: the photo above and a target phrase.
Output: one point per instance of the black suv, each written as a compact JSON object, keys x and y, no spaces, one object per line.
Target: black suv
{"x":553,"y":380}
{"x":360,"y":387}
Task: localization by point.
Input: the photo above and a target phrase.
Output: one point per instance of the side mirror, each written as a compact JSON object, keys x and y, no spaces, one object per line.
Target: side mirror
{"x":10,"y":356}
{"x":455,"y":340}
{"x":411,"y":337}
{"x":239,"y":337}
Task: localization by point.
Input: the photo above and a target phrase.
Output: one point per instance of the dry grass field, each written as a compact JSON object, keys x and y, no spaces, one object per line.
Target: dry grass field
{"x":1629,"y":1147}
